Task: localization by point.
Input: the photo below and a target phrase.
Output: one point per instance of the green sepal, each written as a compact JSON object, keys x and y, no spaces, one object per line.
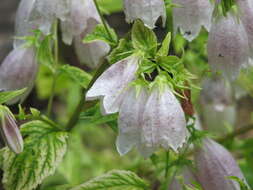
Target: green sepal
{"x":9,"y":95}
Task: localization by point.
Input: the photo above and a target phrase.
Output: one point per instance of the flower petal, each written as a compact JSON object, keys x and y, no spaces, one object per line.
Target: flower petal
{"x":129,"y":122}
{"x":110,"y":86}
{"x":214,"y":165}
{"x":163,"y":121}
{"x":227,"y":47}
{"x":191,"y":15}
{"x":147,"y":10}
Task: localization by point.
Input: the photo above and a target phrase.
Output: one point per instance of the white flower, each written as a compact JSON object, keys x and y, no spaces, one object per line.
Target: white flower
{"x":191,"y":16}
{"x":130,"y":120}
{"x":164,"y":123}
{"x":218,"y":109}
{"x":45,"y":12}
{"x":10,"y":131}
{"x":228,"y":48}
{"x":111,"y":85}
{"x":83,"y":15}
{"x":18,"y":71}
{"x":91,"y":53}
{"x":214,"y":165}
{"x":246,"y":15}
{"x":147,"y":10}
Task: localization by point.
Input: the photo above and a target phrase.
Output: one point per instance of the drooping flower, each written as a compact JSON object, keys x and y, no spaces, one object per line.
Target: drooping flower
{"x":18,"y":71}
{"x":10,"y":131}
{"x":45,"y":12}
{"x":191,"y":15}
{"x":164,"y":123}
{"x":214,"y":165}
{"x":246,"y":15}
{"x":147,"y":10}
{"x":91,"y":53}
{"x":218,"y":109}
{"x":228,"y":48}
{"x":111,"y":85}
{"x":130,"y":121}
{"x":82,"y":20}
{"x":187,"y":178}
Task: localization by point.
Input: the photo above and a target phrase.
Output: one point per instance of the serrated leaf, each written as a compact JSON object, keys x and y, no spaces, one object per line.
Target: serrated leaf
{"x":164,"y":49}
{"x":115,"y":180}
{"x":78,"y":75}
{"x":100,"y":33}
{"x":123,"y":50}
{"x":9,"y":95}
{"x":43,"y":150}
{"x":144,"y":39}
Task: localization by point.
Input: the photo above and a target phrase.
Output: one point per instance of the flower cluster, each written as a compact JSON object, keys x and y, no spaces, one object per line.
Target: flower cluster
{"x":149,"y":118}
{"x":214,"y":167}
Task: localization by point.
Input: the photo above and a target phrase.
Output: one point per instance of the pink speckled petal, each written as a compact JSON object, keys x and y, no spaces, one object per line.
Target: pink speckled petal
{"x":191,"y":16}
{"x":164,"y":121}
{"x":111,"y":85}
{"x":214,"y":165}
{"x":228,"y":48}
{"x":147,"y":10}
{"x":129,"y":122}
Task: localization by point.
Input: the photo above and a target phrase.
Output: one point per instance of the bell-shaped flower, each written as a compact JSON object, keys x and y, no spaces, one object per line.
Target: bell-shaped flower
{"x":187,"y":178}
{"x":85,"y":51}
{"x":147,"y":10}
{"x":228,"y":48}
{"x":45,"y":13}
{"x":18,"y":71}
{"x":214,"y":167}
{"x":164,"y":123}
{"x":218,"y":109}
{"x":23,"y":27}
{"x":189,"y":16}
{"x":112,"y":84}
{"x":10,"y":131}
{"x":130,"y":120}
{"x":246,"y":15}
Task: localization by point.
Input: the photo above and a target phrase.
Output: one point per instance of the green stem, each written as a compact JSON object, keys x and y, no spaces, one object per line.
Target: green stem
{"x":103,"y":20}
{"x":75,"y":116}
{"x":167,"y":164}
{"x":56,"y":54}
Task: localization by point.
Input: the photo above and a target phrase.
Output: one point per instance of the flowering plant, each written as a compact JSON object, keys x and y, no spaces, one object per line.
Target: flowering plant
{"x":171,"y":87}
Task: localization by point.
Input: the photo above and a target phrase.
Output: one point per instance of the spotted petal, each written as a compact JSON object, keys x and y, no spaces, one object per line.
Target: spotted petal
{"x":146,"y":10}
{"x":163,"y":121}
{"x":111,"y":85}
{"x":191,"y":15}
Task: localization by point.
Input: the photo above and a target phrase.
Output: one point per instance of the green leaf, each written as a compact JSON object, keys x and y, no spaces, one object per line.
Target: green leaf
{"x":100,"y":33}
{"x":115,"y":180}
{"x":243,"y":185}
{"x":9,"y":95}
{"x":144,"y":39}
{"x":164,"y":49}
{"x":43,"y":150}
{"x":123,"y":50}
{"x":78,"y":75}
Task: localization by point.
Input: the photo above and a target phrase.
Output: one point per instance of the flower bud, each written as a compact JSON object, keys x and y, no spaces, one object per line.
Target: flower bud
{"x":187,"y":178}
{"x":214,"y":167}
{"x":228,"y":48}
{"x":10,"y":130}
{"x":110,"y":86}
{"x":164,"y":123}
{"x":218,"y":109}
{"x":130,"y":120}
{"x":147,"y":10}
{"x":18,"y":71}
{"x":191,"y":15}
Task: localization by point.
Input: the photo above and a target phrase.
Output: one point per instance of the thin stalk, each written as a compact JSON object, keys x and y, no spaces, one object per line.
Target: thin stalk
{"x":103,"y":20}
{"x":56,"y":55}
{"x":167,"y":164}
